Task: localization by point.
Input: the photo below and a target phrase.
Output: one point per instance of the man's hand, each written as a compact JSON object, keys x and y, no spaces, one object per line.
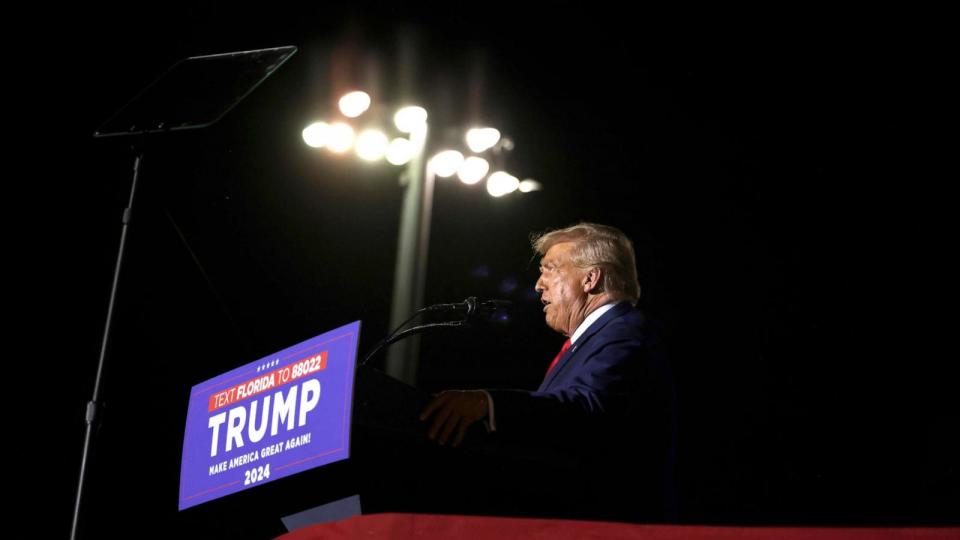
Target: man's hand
{"x":454,"y":410}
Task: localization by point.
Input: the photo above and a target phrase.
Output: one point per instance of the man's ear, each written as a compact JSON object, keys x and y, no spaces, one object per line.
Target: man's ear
{"x":593,"y":280}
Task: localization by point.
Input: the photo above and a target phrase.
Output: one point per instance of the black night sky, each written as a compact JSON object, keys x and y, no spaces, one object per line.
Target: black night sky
{"x":788,"y":267}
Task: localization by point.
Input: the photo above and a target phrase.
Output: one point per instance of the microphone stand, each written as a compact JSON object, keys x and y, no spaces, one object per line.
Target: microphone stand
{"x":471,"y":304}
{"x":395,"y":337}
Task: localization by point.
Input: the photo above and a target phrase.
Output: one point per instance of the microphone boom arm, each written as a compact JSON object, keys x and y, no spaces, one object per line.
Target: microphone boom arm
{"x":469,"y":307}
{"x":407,"y":333}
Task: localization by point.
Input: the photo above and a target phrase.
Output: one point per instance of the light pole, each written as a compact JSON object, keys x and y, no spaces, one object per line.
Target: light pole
{"x":417,"y":181}
{"x":410,"y":271}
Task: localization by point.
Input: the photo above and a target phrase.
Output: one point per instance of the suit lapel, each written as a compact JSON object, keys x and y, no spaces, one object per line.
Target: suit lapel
{"x":611,"y":314}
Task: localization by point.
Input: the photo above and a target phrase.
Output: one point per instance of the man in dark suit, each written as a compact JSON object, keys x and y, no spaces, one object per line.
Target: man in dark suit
{"x":607,"y":398}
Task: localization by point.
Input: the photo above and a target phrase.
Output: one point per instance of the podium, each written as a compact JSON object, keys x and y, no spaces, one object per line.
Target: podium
{"x":400,"y":470}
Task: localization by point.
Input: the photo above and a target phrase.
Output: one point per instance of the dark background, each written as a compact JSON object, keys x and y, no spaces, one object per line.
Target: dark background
{"x":785,"y":255}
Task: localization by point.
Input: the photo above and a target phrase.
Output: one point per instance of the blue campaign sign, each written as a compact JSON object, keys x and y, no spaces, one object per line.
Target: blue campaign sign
{"x":278,"y":416}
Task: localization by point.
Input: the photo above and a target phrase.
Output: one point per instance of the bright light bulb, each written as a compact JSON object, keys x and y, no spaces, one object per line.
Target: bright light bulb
{"x":501,"y":183}
{"x":446,"y":163}
{"x":482,"y":139}
{"x":354,"y":104}
{"x":473,"y":170}
{"x":529,"y":185}
{"x":341,"y":138}
{"x":400,"y":151}
{"x":316,"y":134}
{"x":410,"y":118}
{"x":372,"y":144}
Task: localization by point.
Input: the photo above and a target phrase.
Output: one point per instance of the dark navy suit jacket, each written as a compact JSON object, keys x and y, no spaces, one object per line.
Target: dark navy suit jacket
{"x":609,"y":402}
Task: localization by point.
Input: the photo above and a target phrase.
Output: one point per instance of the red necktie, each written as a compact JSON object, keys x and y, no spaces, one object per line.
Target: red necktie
{"x":566,"y":345}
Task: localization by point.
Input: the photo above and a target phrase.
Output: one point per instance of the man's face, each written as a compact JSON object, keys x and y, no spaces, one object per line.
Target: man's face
{"x":561,"y":289}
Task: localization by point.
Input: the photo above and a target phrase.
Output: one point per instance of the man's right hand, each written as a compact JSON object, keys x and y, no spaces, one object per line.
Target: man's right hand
{"x":454,"y":410}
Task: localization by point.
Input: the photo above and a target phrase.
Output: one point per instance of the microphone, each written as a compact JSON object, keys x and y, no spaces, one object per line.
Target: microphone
{"x":472,"y":306}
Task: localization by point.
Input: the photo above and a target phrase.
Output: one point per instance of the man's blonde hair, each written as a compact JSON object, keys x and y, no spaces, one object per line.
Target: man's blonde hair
{"x":600,"y":246}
